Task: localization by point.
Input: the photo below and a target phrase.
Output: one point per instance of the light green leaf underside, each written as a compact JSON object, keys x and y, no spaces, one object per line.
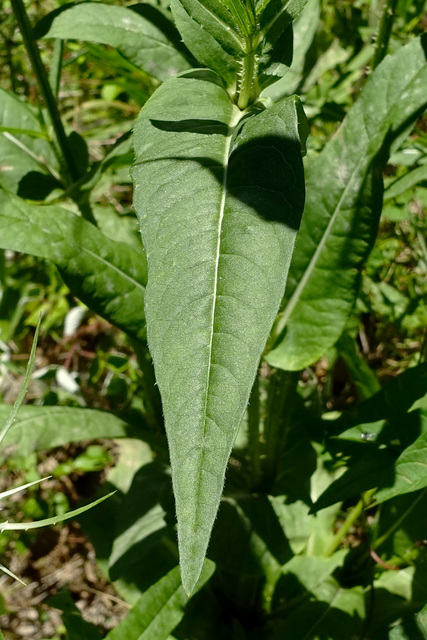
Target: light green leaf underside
{"x":107,"y":275}
{"x":38,"y":428}
{"x":218,"y":218}
{"x":342,"y":209}
{"x":159,"y":610}
{"x":139,"y":39}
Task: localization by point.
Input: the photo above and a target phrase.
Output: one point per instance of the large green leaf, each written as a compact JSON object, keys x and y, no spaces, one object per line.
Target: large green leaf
{"x":27,"y":158}
{"x":107,"y":275}
{"x":159,"y":610}
{"x":142,"y":34}
{"x":343,"y":207}
{"x":219,"y":201}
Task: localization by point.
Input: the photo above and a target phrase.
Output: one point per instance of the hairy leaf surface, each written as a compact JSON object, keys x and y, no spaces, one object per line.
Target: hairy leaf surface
{"x":107,"y":275}
{"x":219,"y":200}
{"x":150,"y":41}
{"x":344,"y":199}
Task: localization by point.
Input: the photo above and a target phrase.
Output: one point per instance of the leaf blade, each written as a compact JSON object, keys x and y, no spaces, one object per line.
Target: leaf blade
{"x":138,"y":38}
{"x":342,"y":210}
{"x":218,"y":225}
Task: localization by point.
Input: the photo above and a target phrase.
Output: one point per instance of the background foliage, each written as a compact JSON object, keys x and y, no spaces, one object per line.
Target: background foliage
{"x":339,"y":407}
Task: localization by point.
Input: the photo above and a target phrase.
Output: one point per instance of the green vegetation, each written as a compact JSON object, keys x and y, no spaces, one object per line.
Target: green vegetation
{"x":247,"y":386}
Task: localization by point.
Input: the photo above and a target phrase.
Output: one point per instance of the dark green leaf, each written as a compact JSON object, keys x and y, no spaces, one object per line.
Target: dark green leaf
{"x":343,"y":207}
{"x":108,"y":276}
{"x":203,"y":45}
{"x":27,"y":158}
{"x":411,"y":628}
{"x":146,"y":40}
{"x":159,"y":610}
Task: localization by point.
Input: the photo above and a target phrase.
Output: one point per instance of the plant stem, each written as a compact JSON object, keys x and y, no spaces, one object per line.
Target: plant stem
{"x":253,"y":433}
{"x":349,"y":522}
{"x":72,"y":171}
{"x":247,"y":89}
{"x":384,"y":31}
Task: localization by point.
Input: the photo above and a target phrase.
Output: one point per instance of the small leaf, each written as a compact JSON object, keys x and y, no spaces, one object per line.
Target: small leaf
{"x":410,"y":471}
{"x":24,"y":386}
{"x":24,"y":150}
{"x":107,"y":275}
{"x":25,"y":526}
{"x":219,"y":201}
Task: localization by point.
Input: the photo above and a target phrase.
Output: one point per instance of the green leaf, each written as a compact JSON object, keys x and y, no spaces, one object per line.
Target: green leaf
{"x":405,"y":182}
{"x":159,"y":610}
{"x":143,"y":34}
{"x":304,"y":30}
{"x":275,"y":19}
{"x":25,"y":526}
{"x":107,"y":275}
{"x":410,"y":471}
{"x":203,"y":45}
{"x":11,"y":417}
{"x":342,"y":210}
{"x":37,"y":428}
{"x":219,"y":201}
{"x":24,"y":150}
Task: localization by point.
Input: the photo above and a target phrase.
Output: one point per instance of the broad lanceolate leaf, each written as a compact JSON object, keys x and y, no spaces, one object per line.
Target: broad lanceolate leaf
{"x":108,"y":276}
{"x":159,"y":610}
{"x":143,"y":35}
{"x":343,"y":208}
{"x":219,"y":200}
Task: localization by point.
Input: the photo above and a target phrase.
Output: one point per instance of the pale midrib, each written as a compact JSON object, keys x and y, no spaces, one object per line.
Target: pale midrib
{"x":231,"y":130}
